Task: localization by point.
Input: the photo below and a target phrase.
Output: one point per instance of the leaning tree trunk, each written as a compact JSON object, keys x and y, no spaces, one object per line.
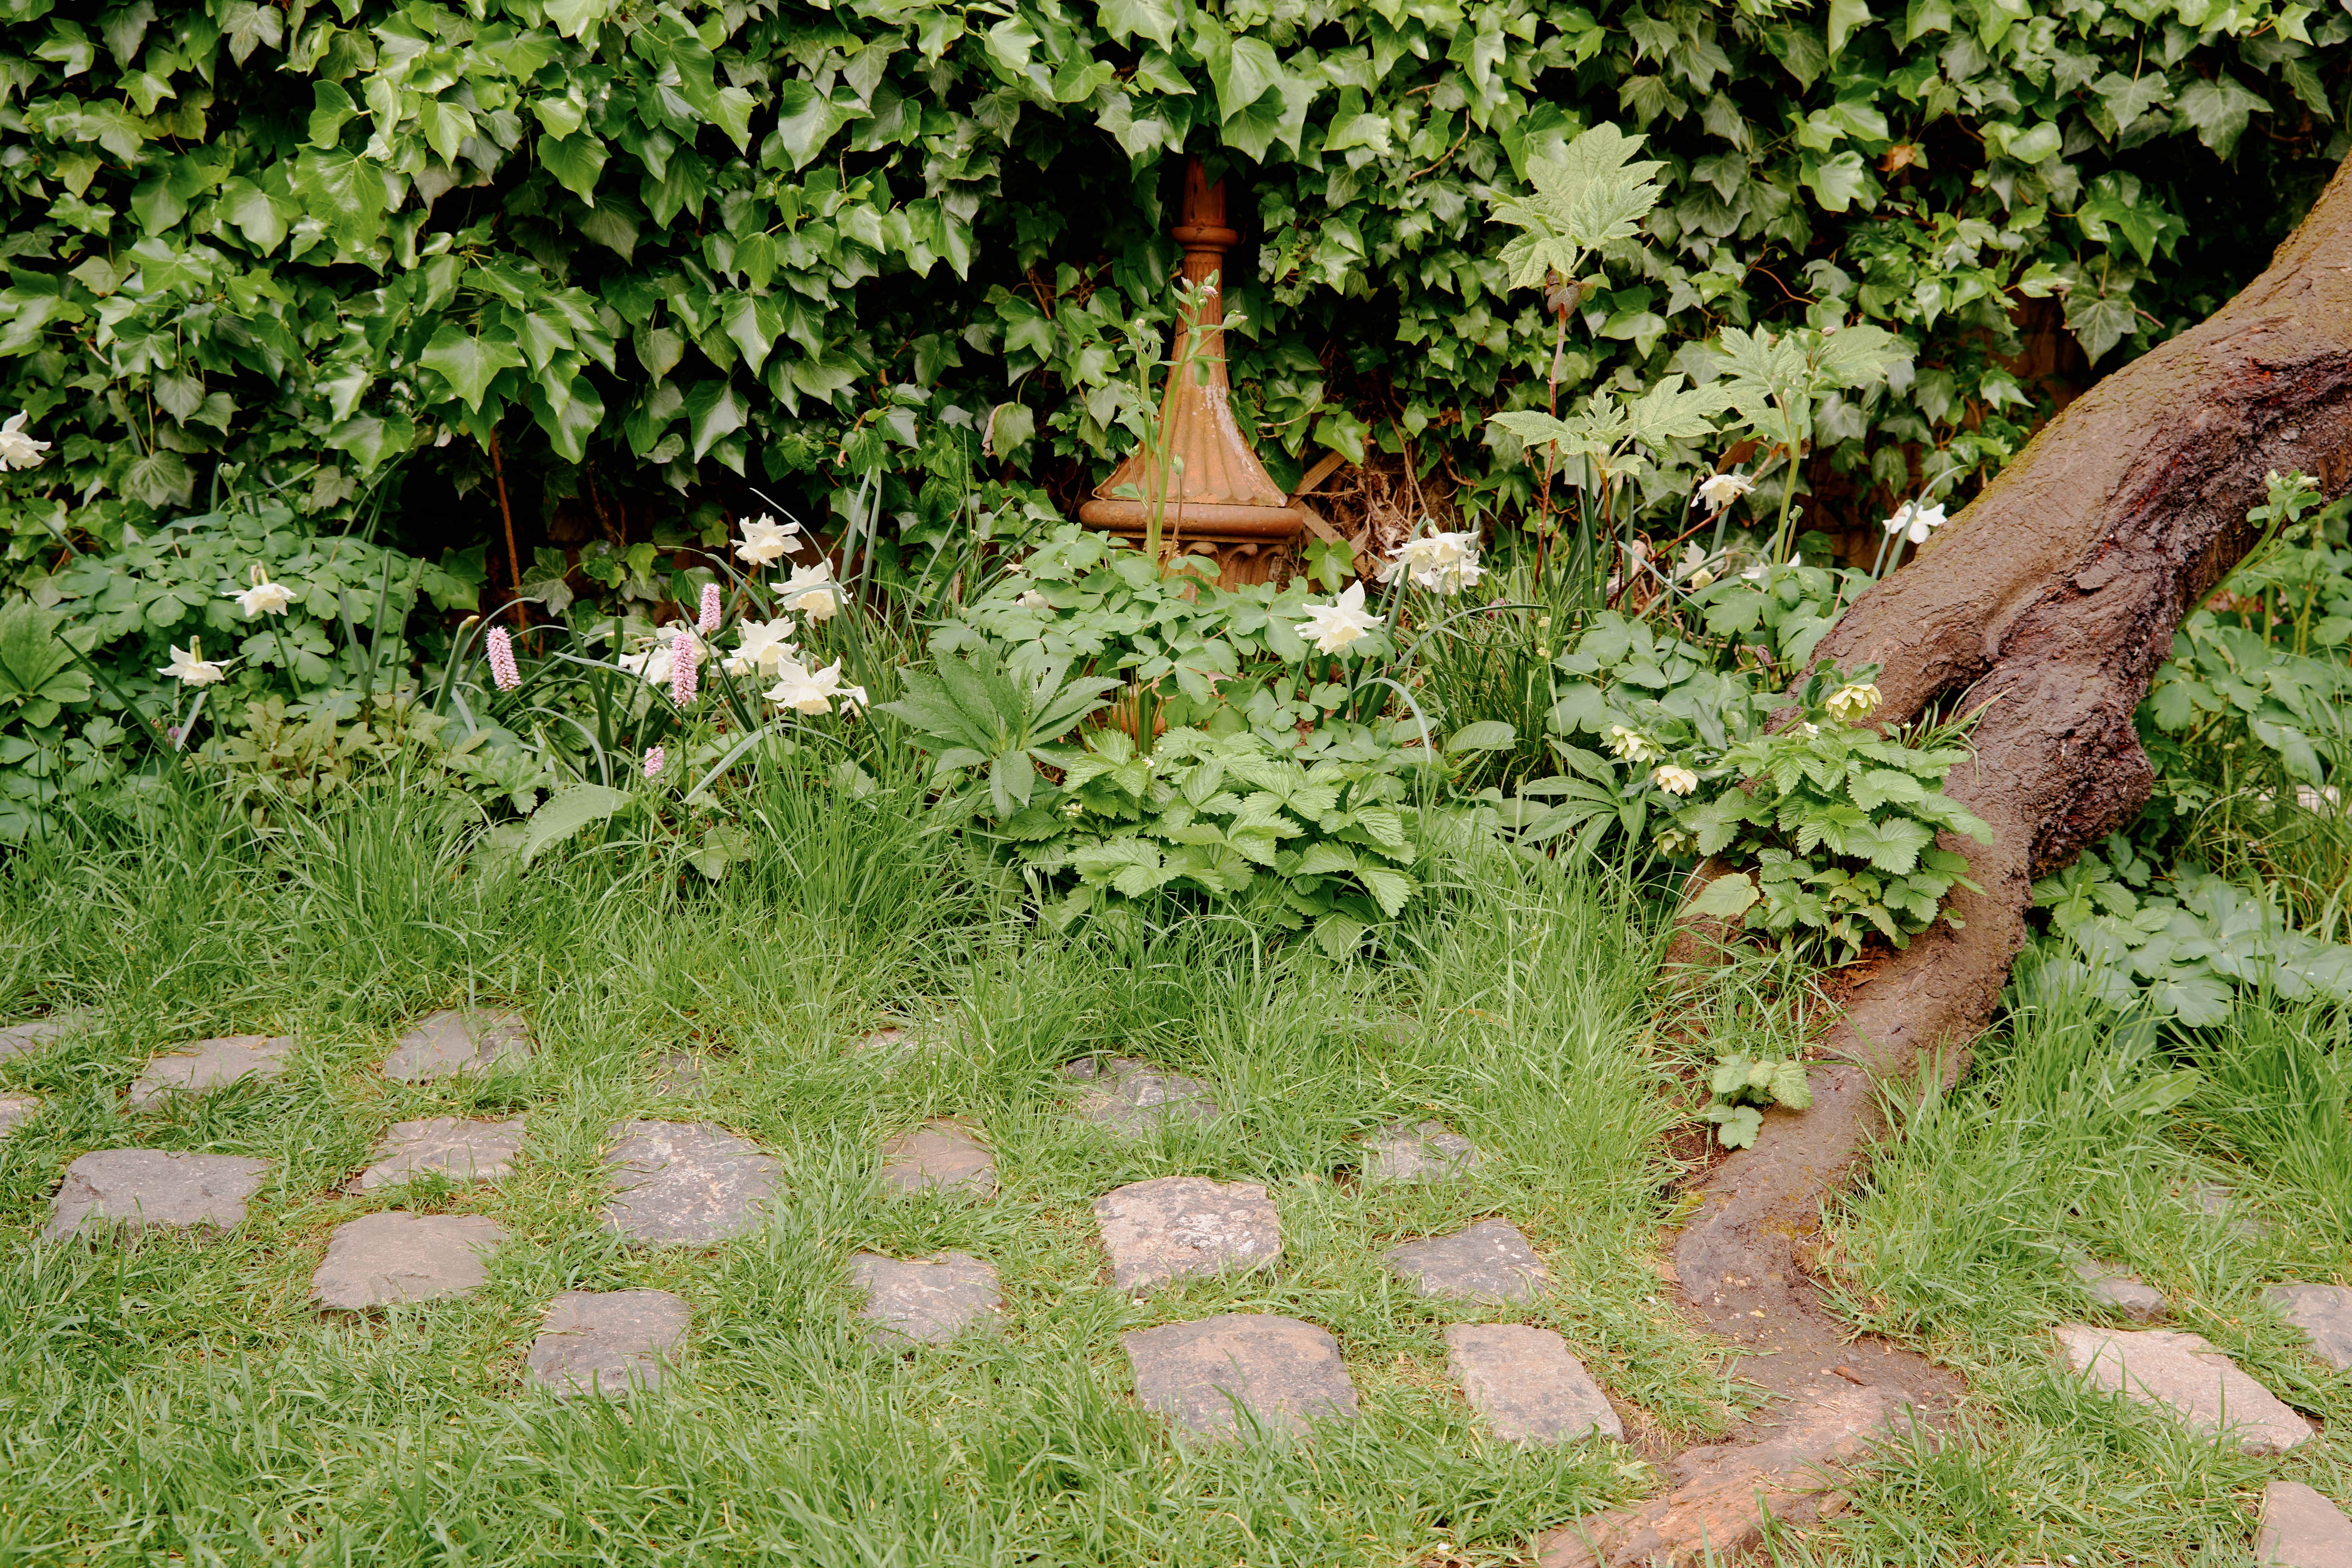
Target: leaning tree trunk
{"x":2045,"y":607}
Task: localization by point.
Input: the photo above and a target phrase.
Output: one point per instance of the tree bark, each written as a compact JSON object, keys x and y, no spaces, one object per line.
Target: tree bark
{"x":2045,"y":606}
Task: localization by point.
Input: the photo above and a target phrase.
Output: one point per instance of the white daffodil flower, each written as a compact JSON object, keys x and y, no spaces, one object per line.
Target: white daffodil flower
{"x":1034,"y":599}
{"x":1631,"y":745}
{"x":1340,"y":625}
{"x":761,"y":646}
{"x":810,"y":592}
{"x":765,"y":539}
{"x":18,"y":450}
{"x":1675,"y":780}
{"x":1852,"y":703}
{"x":1719,"y":491}
{"x":1915,"y":521}
{"x":264,"y":597}
{"x":806,"y":691}
{"x":189,"y":666}
{"x":1441,"y":562}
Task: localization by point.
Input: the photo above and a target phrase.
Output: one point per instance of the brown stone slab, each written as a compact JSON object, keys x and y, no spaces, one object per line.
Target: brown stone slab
{"x":2184,"y":1375}
{"x":454,"y":1042}
{"x":383,"y":1260}
{"x":1282,"y":1371}
{"x":1525,"y":1385}
{"x":141,"y":1189}
{"x":607,"y":1341}
{"x":686,"y":1181}
{"x":202,"y":1065}
{"x":1171,"y":1226}
{"x":925,"y":1300}
{"x":940,"y":1153}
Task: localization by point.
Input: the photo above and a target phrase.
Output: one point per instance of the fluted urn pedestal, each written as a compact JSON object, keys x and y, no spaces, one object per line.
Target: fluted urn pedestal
{"x":1219,"y":500}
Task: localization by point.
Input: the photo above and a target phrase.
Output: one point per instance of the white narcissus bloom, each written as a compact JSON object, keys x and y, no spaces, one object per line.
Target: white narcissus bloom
{"x":189,"y":666}
{"x":810,"y":592}
{"x":1631,"y":745}
{"x":264,"y":597}
{"x":1340,"y":625}
{"x":1675,"y":780}
{"x":1915,"y":521}
{"x":761,"y":646}
{"x":765,"y":539}
{"x":18,"y":450}
{"x":1719,"y":491}
{"x":1441,"y":562}
{"x":806,"y":691}
{"x":1034,"y":599}
{"x":1852,"y":703}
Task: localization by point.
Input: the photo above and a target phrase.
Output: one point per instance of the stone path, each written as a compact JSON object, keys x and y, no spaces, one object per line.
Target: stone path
{"x":151,"y":1188}
{"x":15,"y":1109}
{"x":1134,"y":1098}
{"x":686,"y":1181}
{"x":1282,"y":1371}
{"x":2185,"y":1375}
{"x":32,"y":1034}
{"x":454,"y":1042}
{"x":207,"y":1065}
{"x":2323,"y":1314}
{"x":2301,"y":1529}
{"x":379,"y":1259}
{"x":1426,"y":1152}
{"x":2111,"y":1286}
{"x":1490,"y":1261}
{"x":925,"y":1300}
{"x":1171,"y":1226}
{"x":607,"y":1341}
{"x":940,"y":1153}
{"x":1525,"y":1385}
{"x":448,"y":1146}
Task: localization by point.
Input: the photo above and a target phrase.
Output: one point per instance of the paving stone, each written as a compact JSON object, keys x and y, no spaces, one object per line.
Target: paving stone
{"x":450,"y":1042}
{"x":2302,"y":1529}
{"x":144,"y":1188}
{"x":607,"y":1341}
{"x":1527,"y":1384}
{"x":1161,"y":1229}
{"x":1426,"y":1152}
{"x":940,"y":1153}
{"x":15,"y":1109}
{"x":2111,"y":1286}
{"x":2184,"y":1374}
{"x":1490,"y":1261}
{"x":379,"y":1259}
{"x":1134,"y":1098}
{"x":450,"y":1146}
{"x":207,"y":1065}
{"x":2323,"y":1314}
{"x":30,"y":1034}
{"x":925,"y":1300}
{"x":686,"y":1181}
{"x":1282,"y":1371}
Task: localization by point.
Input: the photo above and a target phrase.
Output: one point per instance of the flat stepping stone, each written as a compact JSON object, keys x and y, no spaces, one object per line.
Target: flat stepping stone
{"x":382,"y":1259}
{"x":1424,"y":1152}
{"x":1134,"y":1098}
{"x":453,"y":1042}
{"x":607,"y":1341}
{"x":2185,"y":1375}
{"x":1171,"y":1226}
{"x":448,"y":1146}
{"x":2301,"y":1529}
{"x":1525,"y":1385}
{"x":144,"y":1189}
{"x":208,"y":1065}
{"x":30,"y":1034}
{"x":686,"y":1181}
{"x":940,"y":1153}
{"x":2111,"y":1286}
{"x":925,"y":1300}
{"x":1282,"y":1371}
{"x":1490,"y":1261}
{"x":2323,"y":1314}
{"x":15,"y":1109}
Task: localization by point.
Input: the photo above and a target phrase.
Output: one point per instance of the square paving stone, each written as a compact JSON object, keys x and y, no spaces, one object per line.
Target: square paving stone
{"x":379,"y":1259}
{"x":2323,"y":1314}
{"x":925,"y":1300}
{"x":686,"y":1181}
{"x":607,"y":1341}
{"x":1425,"y":1153}
{"x":30,"y":1034}
{"x":1490,"y":1261}
{"x":2110,"y":1286}
{"x":2185,"y":1375}
{"x":1161,"y":1229}
{"x":2301,"y":1529}
{"x":939,"y":1153}
{"x":1282,"y":1371}
{"x":1134,"y":1098}
{"x":207,"y":1065}
{"x":151,"y":1188}
{"x":1527,"y":1384}
{"x":15,"y":1109}
{"x":453,"y":1042}
{"x":450,"y":1146}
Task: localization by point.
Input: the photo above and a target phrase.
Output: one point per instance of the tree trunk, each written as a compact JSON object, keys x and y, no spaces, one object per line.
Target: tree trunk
{"x":2046,"y":607}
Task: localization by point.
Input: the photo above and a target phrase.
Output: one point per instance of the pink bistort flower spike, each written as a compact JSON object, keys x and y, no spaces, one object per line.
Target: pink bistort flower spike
{"x":653,"y":761}
{"x":709,"y":621}
{"x":500,"y":649}
{"x":685,"y":669}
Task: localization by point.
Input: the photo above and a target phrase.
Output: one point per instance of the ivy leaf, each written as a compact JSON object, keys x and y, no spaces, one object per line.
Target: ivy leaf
{"x":468,"y":363}
{"x":1244,"y":72}
{"x":572,"y":18}
{"x":713,"y":411}
{"x":1836,"y":182}
{"x":1845,"y":15}
{"x":2218,"y":108}
{"x":331,"y":109}
{"x":1154,"y":19}
{"x":576,"y":160}
{"x":2099,"y":321}
{"x":343,"y":192}
{"x":805,"y":122}
{"x":255,"y":215}
{"x":161,"y":479}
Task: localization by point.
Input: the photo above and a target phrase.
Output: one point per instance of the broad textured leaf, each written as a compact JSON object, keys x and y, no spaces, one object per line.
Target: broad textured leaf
{"x":566,"y":813}
{"x":469,"y":363}
{"x":576,"y":161}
